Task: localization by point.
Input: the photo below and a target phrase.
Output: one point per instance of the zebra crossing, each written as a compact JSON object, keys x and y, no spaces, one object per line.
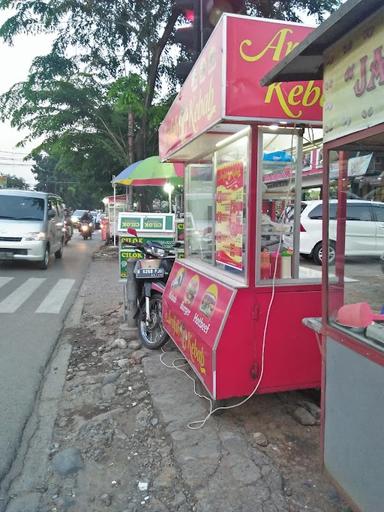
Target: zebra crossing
{"x":52,"y":302}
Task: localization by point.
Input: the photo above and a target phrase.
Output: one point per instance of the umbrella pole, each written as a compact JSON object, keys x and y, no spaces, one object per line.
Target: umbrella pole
{"x":130,"y":198}
{"x":114,"y":215}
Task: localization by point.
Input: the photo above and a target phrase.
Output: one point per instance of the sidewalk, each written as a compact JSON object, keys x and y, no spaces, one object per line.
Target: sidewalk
{"x":121,"y":440}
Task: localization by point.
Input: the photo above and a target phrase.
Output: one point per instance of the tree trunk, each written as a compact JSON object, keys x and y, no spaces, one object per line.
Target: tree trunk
{"x":152,"y":74}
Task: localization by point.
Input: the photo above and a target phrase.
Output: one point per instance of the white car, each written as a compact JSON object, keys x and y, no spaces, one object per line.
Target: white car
{"x":364,"y":229}
{"x":31,"y":226}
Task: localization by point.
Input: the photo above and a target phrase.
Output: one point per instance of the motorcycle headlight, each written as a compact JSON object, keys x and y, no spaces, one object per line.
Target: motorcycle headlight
{"x":34,"y":236}
{"x":157,"y":251}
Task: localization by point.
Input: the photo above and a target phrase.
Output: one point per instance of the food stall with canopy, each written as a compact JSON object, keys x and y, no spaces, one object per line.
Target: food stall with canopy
{"x":347,"y":51}
{"x":234,"y":305}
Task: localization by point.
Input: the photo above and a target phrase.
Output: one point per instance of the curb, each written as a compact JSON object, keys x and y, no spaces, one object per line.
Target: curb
{"x":25,"y":482}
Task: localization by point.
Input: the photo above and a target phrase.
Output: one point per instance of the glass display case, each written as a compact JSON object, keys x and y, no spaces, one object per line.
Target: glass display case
{"x":215,"y":206}
{"x":356,"y":240}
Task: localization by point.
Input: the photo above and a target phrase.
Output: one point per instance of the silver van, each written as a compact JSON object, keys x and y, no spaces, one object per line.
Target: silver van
{"x":31,"y":226}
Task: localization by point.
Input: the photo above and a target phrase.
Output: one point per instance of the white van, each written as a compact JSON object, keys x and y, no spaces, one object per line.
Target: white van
{"x":364,"y":229}
{"x":31,"y":226}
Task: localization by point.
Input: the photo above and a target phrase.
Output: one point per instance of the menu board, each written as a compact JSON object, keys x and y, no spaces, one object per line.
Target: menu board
{"x":194,"y":309}
{"x":229,"y":214}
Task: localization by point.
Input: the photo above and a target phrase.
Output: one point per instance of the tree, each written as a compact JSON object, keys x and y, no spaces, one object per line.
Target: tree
{"x":93,"y":116}
{"x":15,"y":182}
{"x":134,"y":33}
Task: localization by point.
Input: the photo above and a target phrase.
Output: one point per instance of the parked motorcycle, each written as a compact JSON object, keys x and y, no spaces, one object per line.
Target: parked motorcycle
{"x":86,"y":229}
{"x":151,"y":274}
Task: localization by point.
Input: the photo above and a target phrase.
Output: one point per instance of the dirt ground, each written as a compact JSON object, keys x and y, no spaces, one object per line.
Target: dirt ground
{"x":121,"y":441}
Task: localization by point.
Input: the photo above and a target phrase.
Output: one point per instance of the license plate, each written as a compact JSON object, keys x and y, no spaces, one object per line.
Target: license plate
{"x":6,"y":255}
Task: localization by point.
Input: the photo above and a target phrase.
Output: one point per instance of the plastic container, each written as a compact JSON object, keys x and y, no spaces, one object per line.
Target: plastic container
{"x":286,"y":265}
{"x":265,"y":264}
{"x":275,"y":265}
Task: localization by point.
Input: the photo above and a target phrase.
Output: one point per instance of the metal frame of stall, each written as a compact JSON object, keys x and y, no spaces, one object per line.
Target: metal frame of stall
{"x":347,"y":48}
{"x":241,"y":330}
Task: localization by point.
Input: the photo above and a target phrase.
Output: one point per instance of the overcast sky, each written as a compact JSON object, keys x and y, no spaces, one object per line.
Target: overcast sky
{"x":15,"y":62}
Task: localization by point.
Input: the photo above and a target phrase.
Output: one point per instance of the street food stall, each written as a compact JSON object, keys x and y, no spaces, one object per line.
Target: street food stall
{"x":348,"y":51}
{"x":113,"y":206}
{"x":158,"y":227}
{"x":234,"y":305}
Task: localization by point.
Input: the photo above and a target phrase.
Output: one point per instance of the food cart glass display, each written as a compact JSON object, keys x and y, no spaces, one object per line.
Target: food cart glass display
{"x":234,"y":305}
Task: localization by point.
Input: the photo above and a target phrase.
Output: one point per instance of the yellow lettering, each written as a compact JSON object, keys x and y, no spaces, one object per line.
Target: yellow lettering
{"x":291,"y":46}
{"x":311,"y":95}
{"x":293,"y":93}
{"x":276,"y":44}
{"x":276,"y":89}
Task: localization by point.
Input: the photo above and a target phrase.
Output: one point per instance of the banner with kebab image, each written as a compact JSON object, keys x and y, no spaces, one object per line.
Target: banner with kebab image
{"x":229,"y":214}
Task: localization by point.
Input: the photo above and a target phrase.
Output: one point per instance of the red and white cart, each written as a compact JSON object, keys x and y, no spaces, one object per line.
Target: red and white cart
{"x":234,"y":305}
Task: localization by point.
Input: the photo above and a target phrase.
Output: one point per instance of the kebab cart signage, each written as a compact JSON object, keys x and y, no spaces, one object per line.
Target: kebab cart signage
{"x":194,"y":309}
{"x":354,"y":80}
{"x":229,"y":214}
{"x":254,"y":47}
{"x":199,"y":103}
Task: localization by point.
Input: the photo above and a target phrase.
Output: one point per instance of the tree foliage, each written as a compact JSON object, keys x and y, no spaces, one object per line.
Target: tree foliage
{"x":97,"y":98}
{"x":15,"y":182}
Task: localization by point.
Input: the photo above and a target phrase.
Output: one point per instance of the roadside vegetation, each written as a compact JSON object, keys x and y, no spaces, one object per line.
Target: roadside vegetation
{"x":97,"y":98}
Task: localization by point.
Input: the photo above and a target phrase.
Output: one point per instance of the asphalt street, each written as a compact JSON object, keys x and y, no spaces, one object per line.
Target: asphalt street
{"x":33,"y":306}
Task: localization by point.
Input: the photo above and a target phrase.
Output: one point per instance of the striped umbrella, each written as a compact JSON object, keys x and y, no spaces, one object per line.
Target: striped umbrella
{"x":150,"y":171}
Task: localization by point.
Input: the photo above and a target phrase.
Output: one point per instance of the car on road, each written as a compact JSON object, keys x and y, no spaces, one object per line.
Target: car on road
{"x":364,"y":229}
{"x":31,"y":226}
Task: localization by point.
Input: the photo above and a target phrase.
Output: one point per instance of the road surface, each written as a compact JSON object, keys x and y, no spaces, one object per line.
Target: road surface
{"x":33,"y":306}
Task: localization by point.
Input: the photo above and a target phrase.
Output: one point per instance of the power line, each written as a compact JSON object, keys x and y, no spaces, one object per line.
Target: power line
{"x":17,"y":164}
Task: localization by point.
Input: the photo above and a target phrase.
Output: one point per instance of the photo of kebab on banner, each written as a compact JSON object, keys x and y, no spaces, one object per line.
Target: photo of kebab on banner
{"x":191,"y":291}
{"x":208,"y":302}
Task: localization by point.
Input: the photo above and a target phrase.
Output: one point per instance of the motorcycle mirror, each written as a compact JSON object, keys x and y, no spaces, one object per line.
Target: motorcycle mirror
{"x":132,"y":232}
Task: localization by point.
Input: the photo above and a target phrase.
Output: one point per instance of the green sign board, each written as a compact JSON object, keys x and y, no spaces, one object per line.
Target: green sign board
{"x":124,"y":256}
{"x":153,"y":223}
{"x":147,"y":222}
{"x":130,"y":222}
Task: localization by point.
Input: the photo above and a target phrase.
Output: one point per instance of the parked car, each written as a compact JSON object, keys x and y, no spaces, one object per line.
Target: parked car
{"x":76,"y":216}
{"x":364,"y":229}
{"x":31,"y":226}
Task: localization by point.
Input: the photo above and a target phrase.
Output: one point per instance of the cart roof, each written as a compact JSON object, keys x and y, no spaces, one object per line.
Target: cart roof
{"x":222,"y":94}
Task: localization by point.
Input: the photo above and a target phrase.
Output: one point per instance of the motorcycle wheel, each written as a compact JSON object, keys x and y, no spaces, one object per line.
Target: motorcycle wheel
{"x":152,"y":335}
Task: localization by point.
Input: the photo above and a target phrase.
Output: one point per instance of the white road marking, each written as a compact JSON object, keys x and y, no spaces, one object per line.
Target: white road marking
{"x":56,"y":297}
{"x":5,"y":280}
{"x":20,"y":295}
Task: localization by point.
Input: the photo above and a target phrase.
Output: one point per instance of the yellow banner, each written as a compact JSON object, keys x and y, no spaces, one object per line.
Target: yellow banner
{"x":354,"y":80}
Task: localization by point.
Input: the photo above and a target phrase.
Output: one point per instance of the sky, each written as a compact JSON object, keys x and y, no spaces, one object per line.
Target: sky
{"x":15,"y":62}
